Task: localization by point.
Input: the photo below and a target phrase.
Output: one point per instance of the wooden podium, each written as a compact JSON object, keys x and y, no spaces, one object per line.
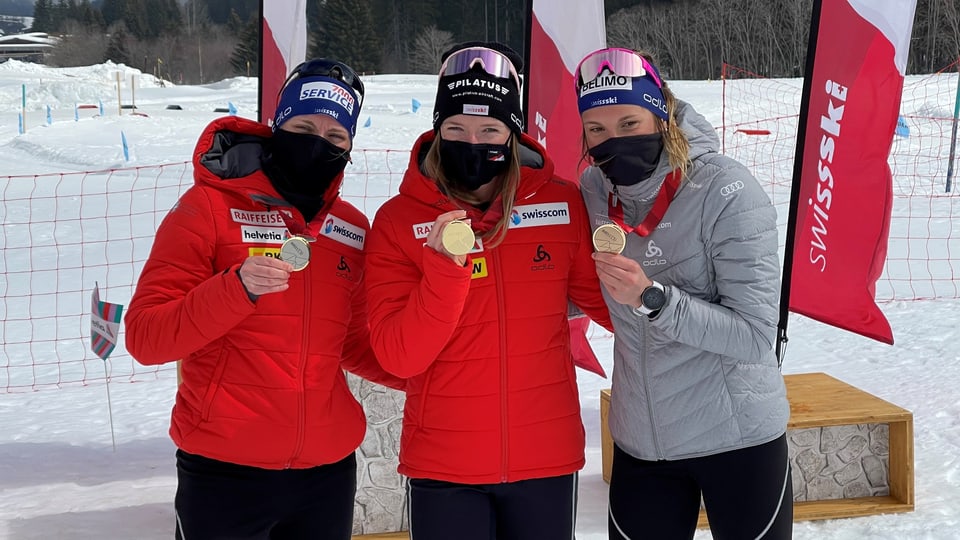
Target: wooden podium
{"x":818,"y":400}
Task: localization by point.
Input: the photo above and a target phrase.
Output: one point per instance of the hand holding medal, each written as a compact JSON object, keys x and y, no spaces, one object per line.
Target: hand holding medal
{"x":458,"y":238}
{"x":264,"y":275}
{"x":452,"y":236}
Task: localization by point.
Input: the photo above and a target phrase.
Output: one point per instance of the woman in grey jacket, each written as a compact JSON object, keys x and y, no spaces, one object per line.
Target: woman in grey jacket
{"x":686,"y":244}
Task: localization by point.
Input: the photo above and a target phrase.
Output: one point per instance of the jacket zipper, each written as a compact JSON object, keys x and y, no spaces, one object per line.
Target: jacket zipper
{"x":504,"y":417}
{"x":645,"y":366}
{"x":646,"y":387}
{"x":301,"y":398}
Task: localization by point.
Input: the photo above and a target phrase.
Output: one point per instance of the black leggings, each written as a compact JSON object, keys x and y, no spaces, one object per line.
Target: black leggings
{"x":541,"y":509}
{"x":748,"y":495}
{"x":218,"y":500}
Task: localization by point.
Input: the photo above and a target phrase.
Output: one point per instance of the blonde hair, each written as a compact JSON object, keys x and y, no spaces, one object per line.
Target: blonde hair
{"x":507,"y":185}
{"x":675,"y":142}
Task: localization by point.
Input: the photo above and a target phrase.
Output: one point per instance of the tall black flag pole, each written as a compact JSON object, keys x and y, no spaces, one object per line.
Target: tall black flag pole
{"x":527,"y":61}
{"x":795,"y":186}
{"x":260,"y":64}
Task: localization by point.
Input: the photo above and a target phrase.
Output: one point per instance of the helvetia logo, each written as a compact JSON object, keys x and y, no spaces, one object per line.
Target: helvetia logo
{"x":263,"y":235}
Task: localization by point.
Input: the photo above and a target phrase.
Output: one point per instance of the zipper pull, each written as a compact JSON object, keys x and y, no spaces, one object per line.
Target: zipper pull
{"x":616,"y":196}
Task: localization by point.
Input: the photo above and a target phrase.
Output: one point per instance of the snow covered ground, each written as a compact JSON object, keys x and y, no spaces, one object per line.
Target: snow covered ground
{"x":60,"y":478}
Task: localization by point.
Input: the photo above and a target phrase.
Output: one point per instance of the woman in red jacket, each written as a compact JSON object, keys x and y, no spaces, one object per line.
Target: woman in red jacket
{"x":255,"y":281}
{"x":470,"y":269}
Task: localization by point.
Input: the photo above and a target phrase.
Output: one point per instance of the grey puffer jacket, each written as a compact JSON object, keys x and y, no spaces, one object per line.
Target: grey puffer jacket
{"x":701,"y":378}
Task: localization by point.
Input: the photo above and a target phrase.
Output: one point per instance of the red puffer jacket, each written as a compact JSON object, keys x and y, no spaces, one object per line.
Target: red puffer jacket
{"x":262,"y":381}
{"x":492,"y":394}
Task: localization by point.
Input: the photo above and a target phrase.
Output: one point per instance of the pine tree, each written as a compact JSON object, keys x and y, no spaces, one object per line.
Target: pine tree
{"x":90,"y":16}
{"x":117,"y":49}
{"x":219,"y":10}
{"x":43,"y":16}
{"x":235,"y":24}
{"x":60,"y":13}
{"x":112,"y":10}
{"x":134,"y":15}
{"x":345,"y":32}
{"x":245,"y":57}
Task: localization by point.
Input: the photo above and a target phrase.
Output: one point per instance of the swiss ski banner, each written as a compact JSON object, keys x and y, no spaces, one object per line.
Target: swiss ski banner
{"x":562,"y":32}
{"x":104,"y":325}
{"x":283,"y":45}
{"x":846,"y":193}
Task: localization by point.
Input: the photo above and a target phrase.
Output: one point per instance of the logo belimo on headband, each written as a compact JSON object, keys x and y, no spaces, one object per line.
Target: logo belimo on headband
{"x":607,"y":81}
{"x":329,"y":91}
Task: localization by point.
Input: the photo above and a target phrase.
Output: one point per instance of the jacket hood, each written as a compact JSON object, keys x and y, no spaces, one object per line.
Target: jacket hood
{"x":536,"y":168}
{"x":229,"y":156}
{"x":703,"y":140}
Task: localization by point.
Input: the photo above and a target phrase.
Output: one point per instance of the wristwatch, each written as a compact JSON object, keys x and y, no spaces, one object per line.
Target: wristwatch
{"x":652,"y":299}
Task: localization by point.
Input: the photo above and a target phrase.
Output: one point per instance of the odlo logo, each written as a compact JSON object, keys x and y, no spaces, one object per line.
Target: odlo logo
{"x":653,"y":255}
{"x":542,"y":256}
{"x":343,"y":270}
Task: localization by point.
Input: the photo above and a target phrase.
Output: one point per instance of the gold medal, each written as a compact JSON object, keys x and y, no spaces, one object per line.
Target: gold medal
{"x":609,"y":238}
{"x":458,"y":237}
{"x":296,"y":251}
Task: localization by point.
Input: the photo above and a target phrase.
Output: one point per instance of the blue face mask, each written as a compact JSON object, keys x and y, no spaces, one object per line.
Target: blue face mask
{"x":471,"y":166}
{"x":628,"y":160}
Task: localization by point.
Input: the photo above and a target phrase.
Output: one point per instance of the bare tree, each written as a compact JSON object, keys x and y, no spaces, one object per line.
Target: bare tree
{"x":427,"y":48}
{"x":626,"y":29}
{"x":80,"y":46}
{"x":951,"y":24}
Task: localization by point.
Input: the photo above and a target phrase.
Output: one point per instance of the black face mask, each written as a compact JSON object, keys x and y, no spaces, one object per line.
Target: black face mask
{"x":628,"y":160}
{"x":470,"y":166}
{"x":302,"y":167}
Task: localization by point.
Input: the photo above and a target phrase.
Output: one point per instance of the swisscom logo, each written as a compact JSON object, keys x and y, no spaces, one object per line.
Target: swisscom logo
{"x":343,"y":232}
{"x":536,"y":215}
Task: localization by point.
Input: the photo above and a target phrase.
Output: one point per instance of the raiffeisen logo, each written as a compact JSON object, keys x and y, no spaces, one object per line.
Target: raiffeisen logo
{"x":328,"y":226}
{"x":536,"y":215}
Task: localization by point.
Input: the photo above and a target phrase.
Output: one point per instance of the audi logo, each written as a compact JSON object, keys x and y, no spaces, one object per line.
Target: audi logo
{"x":730,"y":189}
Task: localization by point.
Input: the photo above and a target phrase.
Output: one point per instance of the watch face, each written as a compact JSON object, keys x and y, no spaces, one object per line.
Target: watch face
{"x":653,"y":298}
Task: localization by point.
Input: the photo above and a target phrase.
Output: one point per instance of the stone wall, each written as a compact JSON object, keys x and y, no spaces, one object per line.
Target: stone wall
{"x":836,"y":462}
{"x":840,"y":462}
{"x":381,"y":491}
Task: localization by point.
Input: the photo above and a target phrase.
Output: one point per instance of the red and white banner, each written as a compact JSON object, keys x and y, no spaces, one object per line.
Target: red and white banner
{"x":846,"y":193}
{"x":283,"y":45}
{"x":562,"y":32}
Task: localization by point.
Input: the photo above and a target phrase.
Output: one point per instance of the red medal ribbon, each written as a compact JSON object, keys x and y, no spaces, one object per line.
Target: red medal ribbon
{"x":309,"y":231}
{"x":667,"y":191}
